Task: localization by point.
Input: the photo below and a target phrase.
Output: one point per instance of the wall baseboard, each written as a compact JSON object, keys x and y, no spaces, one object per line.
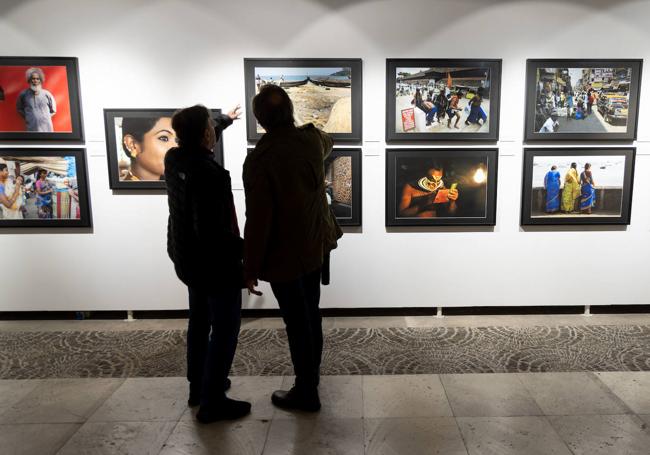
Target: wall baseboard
{"x":333,"y":312}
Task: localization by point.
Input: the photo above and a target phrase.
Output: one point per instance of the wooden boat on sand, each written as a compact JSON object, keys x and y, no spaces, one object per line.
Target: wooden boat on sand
{"x":288,"y":84}
{"x":333,"y":83}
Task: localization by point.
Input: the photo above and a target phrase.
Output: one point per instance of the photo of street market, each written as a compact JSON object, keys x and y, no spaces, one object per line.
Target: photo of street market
{"x":39,"y":188}
{"x":442,"y":100}
{"x":582,"y":100}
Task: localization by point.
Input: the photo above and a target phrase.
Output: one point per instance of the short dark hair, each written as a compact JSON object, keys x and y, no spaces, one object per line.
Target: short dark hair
{"x":554,"y":167}
{"x":273,"y":107}
{"x":190,"y":124}
{"x":136,"y":127}
{"x":3,"y":166}
{"x":42,"y":171}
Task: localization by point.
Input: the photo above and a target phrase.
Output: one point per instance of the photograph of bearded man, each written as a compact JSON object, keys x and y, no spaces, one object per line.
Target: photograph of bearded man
{"x":35,"y":104}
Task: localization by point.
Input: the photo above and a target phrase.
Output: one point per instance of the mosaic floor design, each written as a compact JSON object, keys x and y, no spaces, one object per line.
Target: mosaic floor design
{"x":379,"y":351}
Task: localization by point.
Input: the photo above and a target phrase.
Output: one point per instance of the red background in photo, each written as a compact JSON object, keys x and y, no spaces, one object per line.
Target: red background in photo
{"x":13,"y":81}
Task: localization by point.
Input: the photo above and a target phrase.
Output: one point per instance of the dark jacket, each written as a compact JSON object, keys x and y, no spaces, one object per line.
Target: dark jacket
{"x":289,"y":226}
{"x":202,"y":238}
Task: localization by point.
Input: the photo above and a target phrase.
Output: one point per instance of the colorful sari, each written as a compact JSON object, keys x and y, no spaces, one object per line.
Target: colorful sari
{"x":571,"y":190}
{"x":476,"y":113}
{"x":44,"y":201}
{"x":588,"y":192}
{"x":552,"y":184}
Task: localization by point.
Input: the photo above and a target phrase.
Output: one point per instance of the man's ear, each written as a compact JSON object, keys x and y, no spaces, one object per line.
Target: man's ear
{"x":131,"y":145}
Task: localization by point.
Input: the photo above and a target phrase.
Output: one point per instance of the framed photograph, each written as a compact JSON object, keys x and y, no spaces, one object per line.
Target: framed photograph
{"x":577,"y":186}
{"x":44,"y":187}
{"x":325,"y":92}
{"x":343,"y":184}
{"x":441,"y":187}
{"x":588,"y":100}
{"x":442,"y":99}
{"x":137,"y":141}
{"x":39,"y":99}
{"x":343,"y":180}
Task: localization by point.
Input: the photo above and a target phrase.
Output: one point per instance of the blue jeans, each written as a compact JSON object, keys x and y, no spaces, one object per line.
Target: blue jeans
{"x":215,"y":319}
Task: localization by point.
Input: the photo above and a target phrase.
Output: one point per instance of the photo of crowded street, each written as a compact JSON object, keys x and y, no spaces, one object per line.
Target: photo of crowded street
{"x":442,"y":100}
{"x":582,"y":100}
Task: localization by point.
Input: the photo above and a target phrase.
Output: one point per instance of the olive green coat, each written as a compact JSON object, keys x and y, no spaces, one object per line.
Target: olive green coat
{"x":289,"y":226}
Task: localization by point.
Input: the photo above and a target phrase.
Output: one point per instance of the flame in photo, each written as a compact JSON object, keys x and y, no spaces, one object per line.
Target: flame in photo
{"x":480,"y":176}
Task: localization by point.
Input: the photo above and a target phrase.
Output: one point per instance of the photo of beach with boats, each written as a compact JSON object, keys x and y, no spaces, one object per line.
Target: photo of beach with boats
{"x":321,"y":96}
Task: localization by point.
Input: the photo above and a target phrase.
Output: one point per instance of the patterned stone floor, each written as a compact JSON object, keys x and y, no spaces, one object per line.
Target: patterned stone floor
{"x":348,"y":351}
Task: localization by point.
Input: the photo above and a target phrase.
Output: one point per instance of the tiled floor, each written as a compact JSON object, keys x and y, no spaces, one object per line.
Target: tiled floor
{"x":514,"y":413}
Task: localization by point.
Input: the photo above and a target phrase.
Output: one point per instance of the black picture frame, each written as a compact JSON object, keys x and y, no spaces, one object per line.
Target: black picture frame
{"x":492,"y":135}
{"x":83,"y":189}
{"x":355,"y":210}
{"x":76,"y":117}
{"x":531,"y":134}
{"x":530,"y":153}
{"x":354,"y":219}
{"x":393,"y":155}
{"x":112,"y":146}
{"x":355,"y":65}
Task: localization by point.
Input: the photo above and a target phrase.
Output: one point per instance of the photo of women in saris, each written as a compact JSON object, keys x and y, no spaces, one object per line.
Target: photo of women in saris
{"x":588,"y":190}
{"x":145,"y":141}
{"x":565,"y":187}
{"x":552,"y":183}
{"x":571,"y":191}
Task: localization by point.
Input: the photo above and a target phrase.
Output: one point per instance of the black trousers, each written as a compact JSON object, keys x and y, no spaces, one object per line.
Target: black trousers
{"x":215,"y":320}
{"x":298,"y":300}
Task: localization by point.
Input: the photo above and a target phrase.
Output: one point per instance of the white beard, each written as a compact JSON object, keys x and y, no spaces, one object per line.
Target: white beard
{"x":35,"y":88}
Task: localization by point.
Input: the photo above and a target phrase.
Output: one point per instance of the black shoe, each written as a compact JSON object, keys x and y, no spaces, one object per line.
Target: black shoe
{"x":224,"y":410}
{"x":293,"y":399}
{"x":195,"y":395}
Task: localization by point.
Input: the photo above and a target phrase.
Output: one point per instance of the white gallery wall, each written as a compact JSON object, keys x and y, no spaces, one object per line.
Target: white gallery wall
{"x":167,"y":54}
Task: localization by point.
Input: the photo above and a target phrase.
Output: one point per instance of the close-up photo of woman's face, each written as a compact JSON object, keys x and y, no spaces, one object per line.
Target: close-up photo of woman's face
{"x":147,"y":146}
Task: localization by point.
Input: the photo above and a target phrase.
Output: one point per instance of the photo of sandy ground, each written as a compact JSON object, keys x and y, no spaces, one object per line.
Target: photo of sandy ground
{"x":608,"y":173}
{"x":427,"y":83}
{"x":321,"y":96}
{"x":338,"y":179}
{"x":582,"y":100}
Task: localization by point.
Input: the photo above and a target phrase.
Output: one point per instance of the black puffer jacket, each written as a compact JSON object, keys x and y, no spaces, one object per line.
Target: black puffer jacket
{"x":201,"y":236}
